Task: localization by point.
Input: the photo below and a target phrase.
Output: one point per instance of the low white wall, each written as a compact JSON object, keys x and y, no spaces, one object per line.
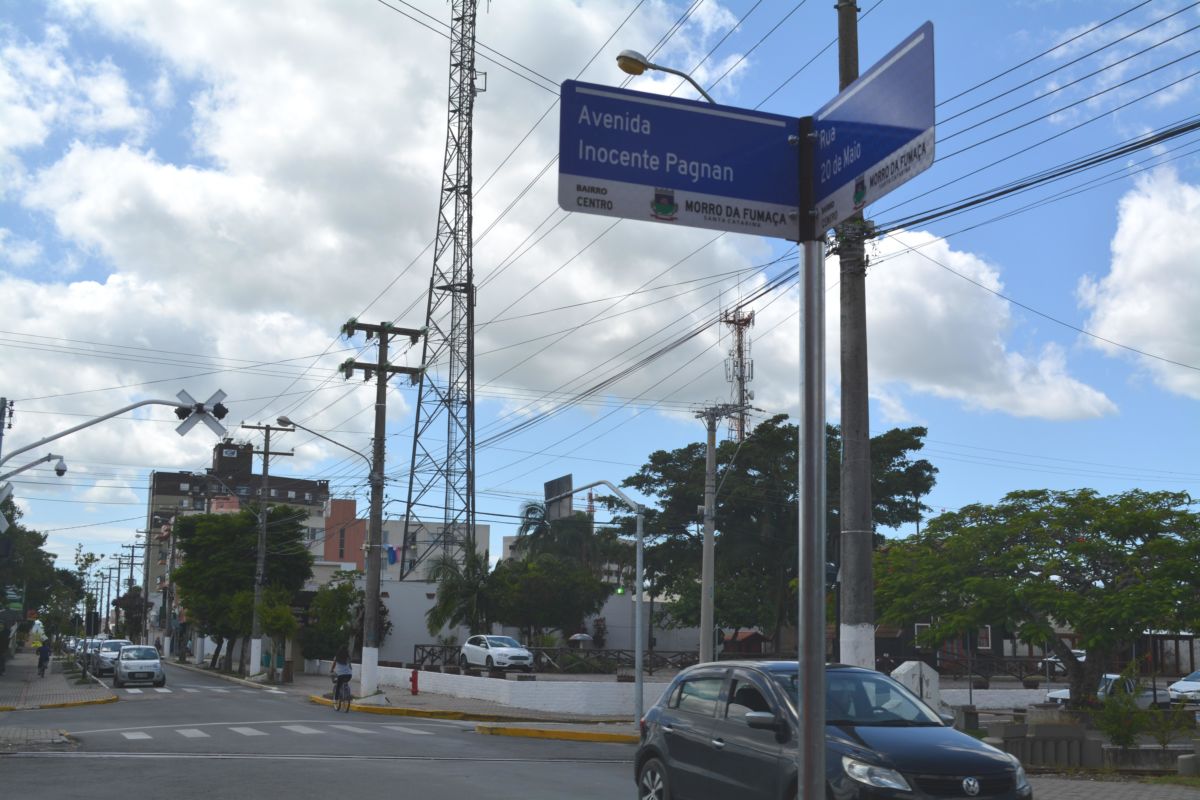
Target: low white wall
{"x":589,"y":698}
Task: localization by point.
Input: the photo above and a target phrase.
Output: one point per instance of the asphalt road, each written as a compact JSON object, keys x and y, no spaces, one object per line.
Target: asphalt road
{"x":201,"y":737}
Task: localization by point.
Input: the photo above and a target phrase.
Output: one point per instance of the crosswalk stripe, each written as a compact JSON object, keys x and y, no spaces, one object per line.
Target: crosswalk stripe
{"x":133,"y":691}
{"x":248,"y":731}
{"x":192,"y":691}
{"x":222,"y":691}
{"x":135,"y":735}
{"x":352,"y":729}
{"x":192,"y":733}
{"x":163,"y":691}
{"x":300,"y":729}
{"x":402,"y":729}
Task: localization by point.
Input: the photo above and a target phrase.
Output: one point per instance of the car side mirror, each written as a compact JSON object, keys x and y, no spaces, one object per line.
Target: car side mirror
{"x":947,"y":719}
{"x":763,"y":720}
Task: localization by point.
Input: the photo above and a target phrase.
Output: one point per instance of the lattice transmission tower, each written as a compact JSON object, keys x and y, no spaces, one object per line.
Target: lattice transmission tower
{"x":442,"y":471}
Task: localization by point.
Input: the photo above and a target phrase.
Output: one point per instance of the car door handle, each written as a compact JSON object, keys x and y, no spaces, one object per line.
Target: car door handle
{"x":668,"y":728}
{"x":718,"y":743}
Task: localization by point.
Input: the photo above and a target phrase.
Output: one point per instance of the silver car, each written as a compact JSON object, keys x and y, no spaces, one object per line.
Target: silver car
{"x":106,"y":655}
{"x":138,"y":663}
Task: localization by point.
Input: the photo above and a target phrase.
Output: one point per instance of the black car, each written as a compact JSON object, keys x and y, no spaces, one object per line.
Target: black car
{"x":728,"y":730}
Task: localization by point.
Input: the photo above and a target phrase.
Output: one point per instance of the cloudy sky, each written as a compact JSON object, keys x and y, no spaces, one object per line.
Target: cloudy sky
{"x":197,"y":195}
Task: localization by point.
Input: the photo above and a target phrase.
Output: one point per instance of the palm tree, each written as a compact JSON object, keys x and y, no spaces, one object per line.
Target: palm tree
{"x":462,"y":593}
{"x":534,"y":530}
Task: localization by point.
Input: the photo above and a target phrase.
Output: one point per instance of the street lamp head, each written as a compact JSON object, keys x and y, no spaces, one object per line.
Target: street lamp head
{"x":285,"y":421}
{"x":632,"y":62}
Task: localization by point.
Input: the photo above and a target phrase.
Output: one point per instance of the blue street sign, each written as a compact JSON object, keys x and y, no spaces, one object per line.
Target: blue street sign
{"x":645,"y":156}
{"x":877,"y":133}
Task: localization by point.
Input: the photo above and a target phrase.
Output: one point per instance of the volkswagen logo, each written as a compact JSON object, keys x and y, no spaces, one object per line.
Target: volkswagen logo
{"x":971,"y":786}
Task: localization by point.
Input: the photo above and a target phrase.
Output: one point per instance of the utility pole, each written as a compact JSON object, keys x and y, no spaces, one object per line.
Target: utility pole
{"x":5,"y":418}
{"x":261,"y":561}
{"x":707,"y":564}
{"x":382,"y":370}
{"x":132,"y":564}
{"x":856,"y":629}
{"x":739,"y":368}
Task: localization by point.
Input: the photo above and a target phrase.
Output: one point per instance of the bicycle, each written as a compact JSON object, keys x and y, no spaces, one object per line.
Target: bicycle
{"x":341,"y":695}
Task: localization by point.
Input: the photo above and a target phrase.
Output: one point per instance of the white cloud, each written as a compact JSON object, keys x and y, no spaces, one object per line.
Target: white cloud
{"x":17,"y":251}
{"x":1149,"y":297}
{"x":935,"y":333}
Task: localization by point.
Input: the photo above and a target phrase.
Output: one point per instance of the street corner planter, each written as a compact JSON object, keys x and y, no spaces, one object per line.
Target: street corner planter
{"x":497,"y":673}
{"x":525,"y":676}
{"x":981,"y":683}
{"x":432,"y":668}
{"x":624,"y":679}
{"x":451,"y":670}
{"x":1032,"y":681}
{"x":474,"y":673}
{"x":1055,"y":714}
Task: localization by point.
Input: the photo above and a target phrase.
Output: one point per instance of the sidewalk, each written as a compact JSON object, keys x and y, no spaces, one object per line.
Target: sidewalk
{"x":21,"y":689}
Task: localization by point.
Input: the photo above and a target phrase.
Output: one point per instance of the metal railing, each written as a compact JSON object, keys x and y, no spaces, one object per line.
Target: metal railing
{"x":569,"y":660}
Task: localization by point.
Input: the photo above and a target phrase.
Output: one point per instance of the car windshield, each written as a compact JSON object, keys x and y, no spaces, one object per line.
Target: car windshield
{"x":115,"y":646}
{"x":1194,"y":677}
{"x":139,"y":654}
{"x":503,"y":641}
{"x":865,"y":698}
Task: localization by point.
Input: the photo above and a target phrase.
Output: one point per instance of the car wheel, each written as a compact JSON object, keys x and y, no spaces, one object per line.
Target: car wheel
{"x":653,"y":783}
{"x":462,"y":660}
{"x":490,"y":663}
{"x":161,"y":683}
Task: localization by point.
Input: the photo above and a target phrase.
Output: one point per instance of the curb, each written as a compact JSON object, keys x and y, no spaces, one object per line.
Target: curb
{"x":222,"y":675}
{"x":432,"y":713}
{"x":98,"y":702}
{"x":564,"y":735}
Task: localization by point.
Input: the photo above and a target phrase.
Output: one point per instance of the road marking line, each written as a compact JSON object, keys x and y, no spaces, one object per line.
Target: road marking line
{"x":222,"y":691}
{"x":163,"y":691}
{"x":247,"y":731}
{"x":403,"y":729}
{"x":135,"y":735}
{"x":352,"y":729}
{"x":192,"y":733}
{"x":192,"y":691}
{"x":300,"y":729}
{"x":133,"y":691}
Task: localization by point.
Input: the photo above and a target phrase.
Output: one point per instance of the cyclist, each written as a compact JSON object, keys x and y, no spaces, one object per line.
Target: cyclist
{"x":342,"y":671}
{"x":43,"y":654}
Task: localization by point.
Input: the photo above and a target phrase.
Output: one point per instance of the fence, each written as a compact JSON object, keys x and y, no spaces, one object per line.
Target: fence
{"x":568,"y":660}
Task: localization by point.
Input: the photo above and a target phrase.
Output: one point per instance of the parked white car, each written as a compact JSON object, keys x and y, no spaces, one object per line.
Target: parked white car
{"x":495,"y":652}
{"x":1109,"y":683}
{"x":138,"y":663}
{"x":1187,"y":688}
{"x":1054,"y":663}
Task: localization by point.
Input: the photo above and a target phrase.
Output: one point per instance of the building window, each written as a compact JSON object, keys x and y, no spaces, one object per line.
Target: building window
{"x":229,"y":453}
{"x":308,"y":497}
{"x":984,"y":642}
{"x":185,"y":502}
{"x":198,"y":504}
{"x":243,"y":490}
{"x":341,"y":544}
{"x":291,"y":495}
{"x":183,"y":487}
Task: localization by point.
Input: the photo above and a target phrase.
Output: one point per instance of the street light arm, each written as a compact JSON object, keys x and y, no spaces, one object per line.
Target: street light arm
{"x":287,"y":421}
{"x":687,"y":78}
{"x":89,"y":423}
{"x":637,"y":507}
{"x":31,"y":465}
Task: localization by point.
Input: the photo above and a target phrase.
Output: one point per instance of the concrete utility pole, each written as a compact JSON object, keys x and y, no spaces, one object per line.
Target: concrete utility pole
{"x":382,"y":370}
{"x":707,"y":563}
{"x":856,"y":632}
{"x":261,"y":561}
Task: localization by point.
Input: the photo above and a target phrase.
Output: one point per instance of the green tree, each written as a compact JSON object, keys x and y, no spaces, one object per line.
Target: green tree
{"x":1108,"y":567}
{"x":219,"y":553}
{"x":573,"y":538}
{"x":545,"y":592}
{"x":331,"y":617}
{"x":756,"y":518}
{"x":278,"y":623}
{"x":133,"y":611}
{"x":462,"y":593}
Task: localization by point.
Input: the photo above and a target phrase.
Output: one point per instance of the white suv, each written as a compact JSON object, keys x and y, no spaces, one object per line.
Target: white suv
{"x":495,"y":652}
